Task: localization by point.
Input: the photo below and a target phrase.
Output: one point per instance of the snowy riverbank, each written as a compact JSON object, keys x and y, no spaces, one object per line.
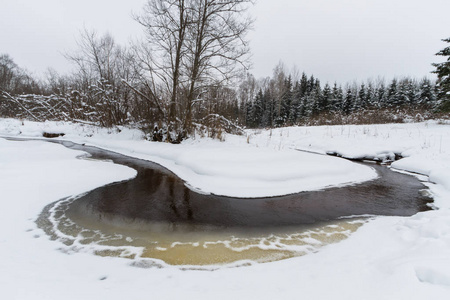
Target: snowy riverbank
{"x":233,"y":168}
{"x":388,"y":258}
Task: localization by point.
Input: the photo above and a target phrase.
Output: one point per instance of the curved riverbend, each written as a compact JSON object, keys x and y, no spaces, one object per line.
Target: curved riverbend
{"x":155,"y":215}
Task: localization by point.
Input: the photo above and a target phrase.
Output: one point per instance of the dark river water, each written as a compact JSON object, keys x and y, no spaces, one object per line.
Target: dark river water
{"x":158,"y":215}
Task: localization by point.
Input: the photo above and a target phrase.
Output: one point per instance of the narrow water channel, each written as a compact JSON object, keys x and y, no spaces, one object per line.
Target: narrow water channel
{"x":156,"y":216}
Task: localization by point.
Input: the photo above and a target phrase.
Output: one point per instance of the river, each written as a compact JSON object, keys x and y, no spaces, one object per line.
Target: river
{"x":155,"y":216}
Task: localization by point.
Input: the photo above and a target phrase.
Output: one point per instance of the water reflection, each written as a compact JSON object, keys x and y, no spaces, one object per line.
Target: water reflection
{"x":155,"y":215}
{"x":187,"y":244}
{"x":158,"y":196}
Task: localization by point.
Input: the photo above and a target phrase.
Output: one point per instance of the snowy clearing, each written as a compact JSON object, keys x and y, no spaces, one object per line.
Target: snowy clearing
{"x":234,"y":169}
{"x":388,"y":258}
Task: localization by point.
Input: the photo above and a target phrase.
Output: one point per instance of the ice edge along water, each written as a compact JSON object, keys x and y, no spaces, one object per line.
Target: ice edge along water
{"x":388,"y":258}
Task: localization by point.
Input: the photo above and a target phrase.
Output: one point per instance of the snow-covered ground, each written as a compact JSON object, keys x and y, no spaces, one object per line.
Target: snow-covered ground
{"x":234,"y":168}
{"x":388,"y":258}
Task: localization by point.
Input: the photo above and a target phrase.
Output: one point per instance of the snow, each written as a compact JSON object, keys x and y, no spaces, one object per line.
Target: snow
{"x":425,"y":146}
{"x":234,"y":169}
{"x":387,"y":258}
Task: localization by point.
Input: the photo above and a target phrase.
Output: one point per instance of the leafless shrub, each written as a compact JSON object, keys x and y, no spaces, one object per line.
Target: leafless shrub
{"x":35,"y":107}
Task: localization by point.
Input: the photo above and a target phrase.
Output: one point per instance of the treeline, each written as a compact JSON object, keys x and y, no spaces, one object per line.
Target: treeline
{"x":94,"y":92}
{"x":189,"y":74}
{"x":16,"y":80}
{"x":283,"y":101}
{"x":110,"y":86}
{"x":169,"y":83}
{"x":107,"y":90}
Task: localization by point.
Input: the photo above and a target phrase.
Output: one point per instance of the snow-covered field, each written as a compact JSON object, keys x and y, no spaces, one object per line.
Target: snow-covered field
{"x":388,"y":258}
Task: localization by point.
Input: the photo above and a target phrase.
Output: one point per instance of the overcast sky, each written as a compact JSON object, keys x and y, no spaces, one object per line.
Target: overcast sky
{"x":336,"y":40}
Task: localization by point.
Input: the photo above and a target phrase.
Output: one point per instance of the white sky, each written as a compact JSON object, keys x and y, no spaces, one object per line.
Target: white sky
{"x":336,"y":40}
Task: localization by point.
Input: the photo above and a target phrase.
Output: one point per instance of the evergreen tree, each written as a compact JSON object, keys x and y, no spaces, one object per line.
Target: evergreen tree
{"x":392,"y":97}
{"x":361,"y":100}
{"x":269,"y":108}
{"x":443,"y":74}
{"x":310,"y":85}
{"x":309,"y":105}
{"x":302,"y":108}
{"x":371,"y":95}
{"x":295,"y":104}
{"x":426,"y":93}
{"x":348,"y":102}
{"x":380,"y":95}
{"x":248,"y":114}
{"x":286,"y":100}
{"x":407,"y":92}
{"x":315,"y":98}
{"x":325,"y":99}
{"x":412,"y":92}
{"x":337,"y":98}
{"x":303,"y":86}
{"x":402,"y":97}
{"x":257,"y":110}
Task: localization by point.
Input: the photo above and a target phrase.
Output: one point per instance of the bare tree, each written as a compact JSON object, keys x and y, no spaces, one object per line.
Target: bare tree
{"x":98,"y":89}
{"x":16,"y":80}
{"x":216,"y":44}
{"x":162,"y":52}
{"x":8,"y":70}
{"x":190,"y":46}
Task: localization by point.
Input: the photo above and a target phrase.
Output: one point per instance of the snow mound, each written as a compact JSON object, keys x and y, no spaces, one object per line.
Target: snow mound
{"x":234,"y":168}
